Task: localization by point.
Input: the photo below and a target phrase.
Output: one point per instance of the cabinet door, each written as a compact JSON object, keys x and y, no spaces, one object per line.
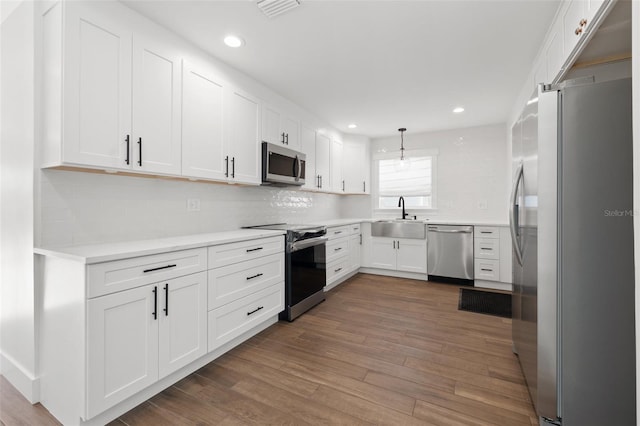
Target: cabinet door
{"x":337,"y":181}
{"x":97,"y":88}
{"x":271,"y":131}
{"x":291,"y":129}
{"x":156,"y":106}
{"x":308,"y":147}
{"x":203,"y":123}
{"x":355,"y":167}
{"x":412,"y":255}
{"x":183,"y":321}
{"x":354,"y":252}
{"x":323,"y":162}
{"x":122,"y":351}
{"x":383,"y":253}
{"x":571,"y":23}
{"x":244,"y":139}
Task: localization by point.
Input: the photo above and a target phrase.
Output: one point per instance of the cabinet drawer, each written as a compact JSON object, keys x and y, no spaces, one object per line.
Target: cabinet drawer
{"x":354,"y":229}
{"x":486,"y":269}
{"x":227,"y":254}
{"x":338,"y":232}
{"x":336,"y":269}
{"x":233,"y":319}
{"x":337,"y":249}
{"x":109,"y":277}
{"x":487,"y":232}
{"x":235,"y":281}
{"x":487,"y":248}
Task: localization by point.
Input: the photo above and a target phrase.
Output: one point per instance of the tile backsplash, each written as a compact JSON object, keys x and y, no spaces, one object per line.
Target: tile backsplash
{"x":88,"y":208}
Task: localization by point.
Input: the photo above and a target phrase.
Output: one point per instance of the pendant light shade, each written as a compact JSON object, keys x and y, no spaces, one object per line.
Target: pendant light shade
{"x":403,"y":164}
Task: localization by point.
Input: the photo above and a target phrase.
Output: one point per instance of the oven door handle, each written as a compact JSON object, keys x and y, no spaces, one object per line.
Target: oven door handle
{"x":300,"y":245}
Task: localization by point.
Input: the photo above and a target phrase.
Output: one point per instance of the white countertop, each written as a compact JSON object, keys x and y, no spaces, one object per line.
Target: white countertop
{"x":107,"y":252}
{"x":96,"y":253}
{"x":435,"y":221}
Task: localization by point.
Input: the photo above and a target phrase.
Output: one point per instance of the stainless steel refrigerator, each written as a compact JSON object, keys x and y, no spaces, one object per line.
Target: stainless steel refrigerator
{"x":573,"y":273}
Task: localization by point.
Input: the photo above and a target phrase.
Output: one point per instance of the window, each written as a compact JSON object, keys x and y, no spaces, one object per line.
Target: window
{"x":414,"y":180}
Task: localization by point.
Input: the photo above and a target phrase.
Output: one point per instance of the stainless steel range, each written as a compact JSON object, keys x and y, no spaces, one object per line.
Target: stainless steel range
{"x":305,"y":267}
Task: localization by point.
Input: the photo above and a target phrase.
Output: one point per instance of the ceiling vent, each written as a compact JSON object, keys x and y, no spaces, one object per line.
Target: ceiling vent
{"x":273,"y":8}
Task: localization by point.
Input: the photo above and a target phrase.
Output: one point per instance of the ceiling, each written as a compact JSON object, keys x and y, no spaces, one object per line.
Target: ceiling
{"x":380,"y":64}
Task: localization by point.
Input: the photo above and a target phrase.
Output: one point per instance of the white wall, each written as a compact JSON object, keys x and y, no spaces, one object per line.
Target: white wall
{"x":87,"y":208}
{"x":17,"y":318}
{"x":472,"y":169}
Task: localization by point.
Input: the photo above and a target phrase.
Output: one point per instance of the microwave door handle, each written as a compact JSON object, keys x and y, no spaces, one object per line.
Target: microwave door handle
{"x":299,"y":174}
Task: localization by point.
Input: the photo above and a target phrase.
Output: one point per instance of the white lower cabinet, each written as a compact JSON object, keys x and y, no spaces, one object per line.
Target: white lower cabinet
{"x":399,"y":254}
{"x":233,"y":319}
{"x":141,"y":335}
{"x":118,"y":331}
{"x":343,"y":253}
{"x":492,"y":257}
{"x":122,"y":346}
{"x":246,"y":287}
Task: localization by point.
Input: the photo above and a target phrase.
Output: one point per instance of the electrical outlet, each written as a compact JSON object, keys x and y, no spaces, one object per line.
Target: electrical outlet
{"x":482,"y":204}
{"x":193,"y":204}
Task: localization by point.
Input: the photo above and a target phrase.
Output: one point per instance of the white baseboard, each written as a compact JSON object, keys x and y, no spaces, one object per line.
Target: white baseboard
{"x":23,"y":381}
{"x":398,"y":274}
{"x":493,"y":285}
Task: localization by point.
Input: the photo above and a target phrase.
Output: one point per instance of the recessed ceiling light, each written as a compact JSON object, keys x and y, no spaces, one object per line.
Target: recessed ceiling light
{"x":352,"y":126}
{"x":233,"y":41}
{"x":458,"y":110}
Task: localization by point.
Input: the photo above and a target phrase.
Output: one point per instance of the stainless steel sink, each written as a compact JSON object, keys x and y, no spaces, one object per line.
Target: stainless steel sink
{"x":398,"y":228}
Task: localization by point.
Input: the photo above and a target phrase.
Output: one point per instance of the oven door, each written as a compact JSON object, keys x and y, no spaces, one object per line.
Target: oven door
{"x":308,"y":269}
{"x":282,"y":165}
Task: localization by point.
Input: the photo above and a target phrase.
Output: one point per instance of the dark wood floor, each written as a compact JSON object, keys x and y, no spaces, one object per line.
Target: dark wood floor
{"x":378,"y":351}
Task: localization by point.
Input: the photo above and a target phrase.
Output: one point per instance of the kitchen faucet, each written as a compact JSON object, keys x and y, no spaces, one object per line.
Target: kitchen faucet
{"x":401,"y":202}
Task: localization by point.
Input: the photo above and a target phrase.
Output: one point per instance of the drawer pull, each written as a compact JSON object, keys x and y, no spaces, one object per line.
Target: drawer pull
{"x":337,"y":249}
{"x":159,"y":268}
{"x":337,"y":270}
{"x":486,"y":270}
{"x":254,"y":249}
{"x":255,"y":310}
{"x":486,"y":232}
{"x":484,"y":248}
{"x":254,"y":276}
{"x":337,"y":232}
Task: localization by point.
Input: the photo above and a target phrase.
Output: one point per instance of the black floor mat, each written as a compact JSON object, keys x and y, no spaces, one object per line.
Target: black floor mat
{"x":485,"y":302}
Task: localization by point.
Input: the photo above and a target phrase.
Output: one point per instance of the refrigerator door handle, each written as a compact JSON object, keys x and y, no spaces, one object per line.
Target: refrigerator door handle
{"x":513,"y":225}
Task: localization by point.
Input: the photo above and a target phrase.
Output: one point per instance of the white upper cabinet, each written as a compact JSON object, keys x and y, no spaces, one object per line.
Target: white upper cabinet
{"x":323,"y":162}
{"x":244,"y":139}
{"x":356,"y":167}
{"x":337,"y":181}
{"x":156,"y":105}
{"x":204,"y":129}
{"x":574,"y":24}
{"x":308,"y":147}
{"x":279,"y":127}
{"x":97,"y":88}
{"x":220,"y":128}
{"x":120,"y":94}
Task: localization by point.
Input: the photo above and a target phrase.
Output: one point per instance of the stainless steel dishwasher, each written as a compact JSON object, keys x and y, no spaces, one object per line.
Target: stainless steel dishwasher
{"x":450,"y":253}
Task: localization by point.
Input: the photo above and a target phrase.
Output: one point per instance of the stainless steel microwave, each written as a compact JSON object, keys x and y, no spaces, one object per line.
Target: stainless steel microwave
{"x":282,"y":166}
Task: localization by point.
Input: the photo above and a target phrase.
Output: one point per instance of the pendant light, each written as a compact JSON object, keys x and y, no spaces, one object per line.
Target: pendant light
{"x":402,"y":164}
